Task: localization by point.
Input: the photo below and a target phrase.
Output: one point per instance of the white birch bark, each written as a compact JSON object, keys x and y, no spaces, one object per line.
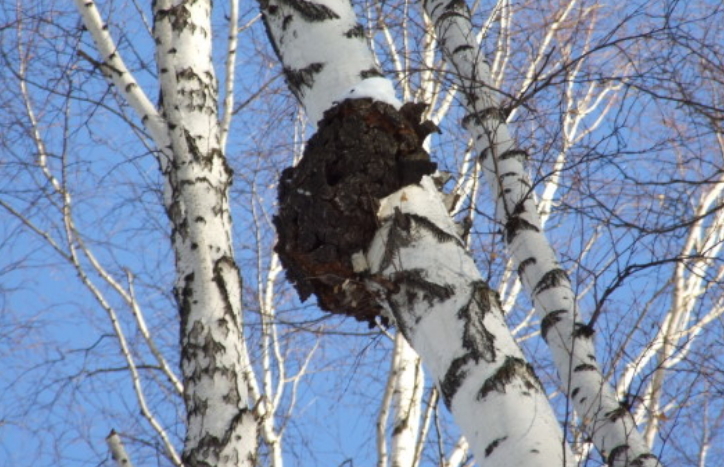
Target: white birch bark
{"x":221,"y":428}
{"x":453,"y":320}
{"x":441,"y":304}
{"x":118,"y":451}
{"x":322,"y":48}
{"x":609,"y":423}
{"x":406,"y":403}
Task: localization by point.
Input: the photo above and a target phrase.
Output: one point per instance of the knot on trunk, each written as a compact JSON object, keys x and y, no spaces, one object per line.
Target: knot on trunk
{"x":362,"y":151}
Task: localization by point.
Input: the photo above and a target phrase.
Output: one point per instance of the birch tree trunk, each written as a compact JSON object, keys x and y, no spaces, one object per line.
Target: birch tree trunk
{"x":419,"y":271}
{"x":221,"y":428}
{"x":608,"y":422}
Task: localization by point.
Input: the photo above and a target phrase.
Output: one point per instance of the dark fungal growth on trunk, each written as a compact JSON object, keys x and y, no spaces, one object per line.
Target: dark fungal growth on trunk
{"x":362,"y":151}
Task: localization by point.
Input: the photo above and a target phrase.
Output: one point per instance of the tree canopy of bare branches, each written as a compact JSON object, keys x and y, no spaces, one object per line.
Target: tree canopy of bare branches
{"x":578,"y":210}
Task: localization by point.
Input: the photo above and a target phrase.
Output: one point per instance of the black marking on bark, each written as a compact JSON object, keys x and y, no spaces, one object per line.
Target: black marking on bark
{"x":225,"y":262}
{"x":491,"y":113}
{"x":287,"y":21}
{"x":402,"y":221}
{"x":179,"y":17}
{"x":551,"y":279}
{"x":641,"y":459}
{"x":206,"y":452}
{"x":491,"y":447}
{"x":355,"y":31}
{"x":451,"y":14}
{"x":520,"y":206}
{"x":184,"y":297}
{"x":328,"y":202}
{"x":615,"y":453}
{"x":513,"y":368}
{"x":462,"y":48}
{"x":583,"y":330}
{"x":397,"y":238}
{"x":620,"y":412}
{"x":310,"y":11}
{"x":477,"y":340}
{"x":575,"y":392}
{"x":514,"y":153}
{"x":370,"y":73}
{"x":484,"y":154}
{"x":440,"y":235}
{"x":303,"y":77}
{"x":585,"y":367}
{"x":456,"y":5}
{"x":498,"y":301}
{"x":414,"y":280}
{"x":550,"y":320}
{"x":524,"y":264}
{"x":454,"y":377}
{"x":515,"y":225}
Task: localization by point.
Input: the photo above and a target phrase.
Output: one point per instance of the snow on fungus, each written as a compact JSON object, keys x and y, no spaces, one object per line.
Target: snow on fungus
{"x":376,"y":88}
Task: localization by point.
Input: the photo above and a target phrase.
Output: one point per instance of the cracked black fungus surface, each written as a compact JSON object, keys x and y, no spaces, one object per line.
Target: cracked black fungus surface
{"x":362,"y":151}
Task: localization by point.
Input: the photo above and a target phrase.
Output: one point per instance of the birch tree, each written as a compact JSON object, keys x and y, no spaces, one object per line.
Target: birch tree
{"x":617,"y":108}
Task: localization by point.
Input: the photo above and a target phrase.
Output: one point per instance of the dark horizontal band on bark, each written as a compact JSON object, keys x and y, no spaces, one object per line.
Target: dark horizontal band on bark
{"x":302,"y":77}
{"x":310,"y":11}
{"x":490,"y":113}
{"x":550,"y":320}
{"x":511,"y":153}
{"x":414,"y":280}
{"x":491,"y":447}
{"x":370,"y":73}
{"x":583,"y":330}
{"x":524,"y":265}
{"x":451,"y":14}
{"x":513,"y":368}
{"x":620,"y":412}
{"x":515,"y":225}
{"x":462,"y":48}
{"x":585,"y":367}
{"x":616,"y":452}
{"x":355,"y":31}
{"x":553,"y":278}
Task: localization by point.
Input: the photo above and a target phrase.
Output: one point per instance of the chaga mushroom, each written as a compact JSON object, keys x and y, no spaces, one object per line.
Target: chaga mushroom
{"x":362,"y":151}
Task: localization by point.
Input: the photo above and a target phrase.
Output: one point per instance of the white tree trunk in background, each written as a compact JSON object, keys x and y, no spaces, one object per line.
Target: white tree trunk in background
{"x":609,"y":423}
{"x":221,"y":429}
{"x":443,"y":307}
{"x":408,"y":388}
